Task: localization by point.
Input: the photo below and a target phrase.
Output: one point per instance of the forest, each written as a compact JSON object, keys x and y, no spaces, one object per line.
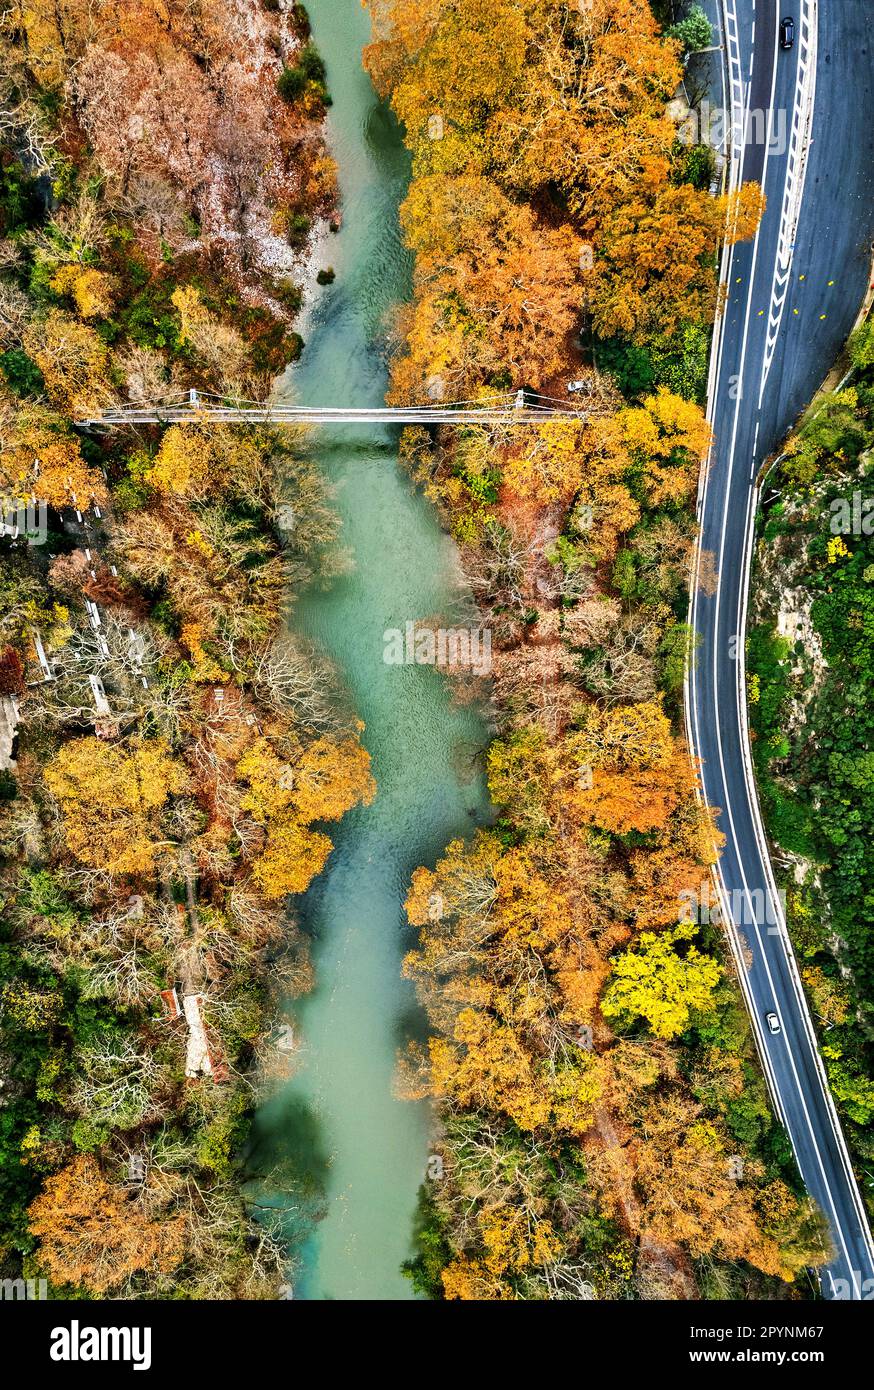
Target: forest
{"x":604,"y":1127}
{"x":171,"y":758}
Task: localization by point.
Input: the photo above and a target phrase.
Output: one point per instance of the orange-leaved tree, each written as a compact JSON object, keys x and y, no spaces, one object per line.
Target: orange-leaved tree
{"x":93,"y":1235}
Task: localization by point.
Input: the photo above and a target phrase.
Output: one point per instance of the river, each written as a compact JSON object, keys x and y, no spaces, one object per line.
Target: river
{"x":338,"y":1120}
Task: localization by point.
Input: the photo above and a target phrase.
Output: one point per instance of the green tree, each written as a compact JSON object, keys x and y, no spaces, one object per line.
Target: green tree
{"x":694,"y":31}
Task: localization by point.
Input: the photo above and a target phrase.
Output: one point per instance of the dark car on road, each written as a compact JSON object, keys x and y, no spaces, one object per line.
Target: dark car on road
{"x":787,"y":32}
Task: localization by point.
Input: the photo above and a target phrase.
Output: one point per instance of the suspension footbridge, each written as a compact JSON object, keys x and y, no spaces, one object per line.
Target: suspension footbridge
{"x":508,"y":408}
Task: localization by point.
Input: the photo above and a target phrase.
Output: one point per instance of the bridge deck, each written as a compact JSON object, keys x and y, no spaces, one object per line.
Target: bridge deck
{"x":327,"y":415}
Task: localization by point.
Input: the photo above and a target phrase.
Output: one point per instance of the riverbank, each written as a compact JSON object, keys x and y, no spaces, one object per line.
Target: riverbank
{"x":355,"y":1141}
{"x":589,"y":1053}
{"x":175,"y":766}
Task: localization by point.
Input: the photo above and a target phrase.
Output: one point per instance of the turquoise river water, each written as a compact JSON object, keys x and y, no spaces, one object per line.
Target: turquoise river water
{"x":338,"y":1119}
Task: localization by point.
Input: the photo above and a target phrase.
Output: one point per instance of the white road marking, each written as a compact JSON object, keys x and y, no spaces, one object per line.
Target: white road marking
{"x":691,"y":706}
{"x":793,"y":190}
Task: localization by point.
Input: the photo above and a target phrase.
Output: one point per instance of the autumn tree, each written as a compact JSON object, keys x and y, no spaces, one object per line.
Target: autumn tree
{"x":512,"y":1244}
{"x":184,"y":463}
{"x":89,"y":288}
{"x":655,"y":267}
{"x":656,"y":257}
{"x":485,"y":1065}
{"x":546,"y":464}
{"x":589,"y":111}
{"x":41,"y":456}
{"x":110,"y":797}
{"x":638,"y":800}
{"x":196,"y":461}
{"x":568,"y":78}
{"x":578,"y":100}
{"x":624,"y":769}
{"x":450,"y":62}
{"x":667,"y":437}
{"x":50,"y":33}
{"x":495,"y":291}
{"x":317,"y":783}
{"x":74,"y":362}
{"x":743,"y":209}
{"x":491,"y":919}
{"x":690,"y":1195}
{"x":92,"y":1235}
{"x":230,"y":584}
{"x":625,"y":736}
{"x":218,"y":345}
{"x":520,"y":774}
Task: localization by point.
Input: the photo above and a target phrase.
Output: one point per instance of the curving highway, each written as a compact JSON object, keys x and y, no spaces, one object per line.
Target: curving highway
{"x":791,"y":297}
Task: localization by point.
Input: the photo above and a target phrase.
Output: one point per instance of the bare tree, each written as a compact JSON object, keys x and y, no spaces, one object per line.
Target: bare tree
{"x":114,"y":1082}
{"x":77,"y":235}
{"x":146,"y":376}
{"x":220,"y":1230}
{"x":623,"y":668}
{"x":566,"y":1280}
{"x":123,"y":655}
{"x":24,"y":125}
{"x":292,"y":677}
{"x":14,"y":309}
{"x":497,"y":568}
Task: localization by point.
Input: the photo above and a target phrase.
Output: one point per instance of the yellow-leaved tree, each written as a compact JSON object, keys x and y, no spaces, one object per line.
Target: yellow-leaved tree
{"x":40,"y":456}
{"x":655,"y":982}
{"x":318,"y":783}
{"x":111,"y":795}
{"x":90,"y":289}
{"x":199,"y":460}
{"x":668,"y":437}
{"x":74,"y":362}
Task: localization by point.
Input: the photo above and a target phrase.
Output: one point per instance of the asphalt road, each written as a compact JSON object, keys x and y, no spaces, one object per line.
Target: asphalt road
{"x":792,"y":297}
